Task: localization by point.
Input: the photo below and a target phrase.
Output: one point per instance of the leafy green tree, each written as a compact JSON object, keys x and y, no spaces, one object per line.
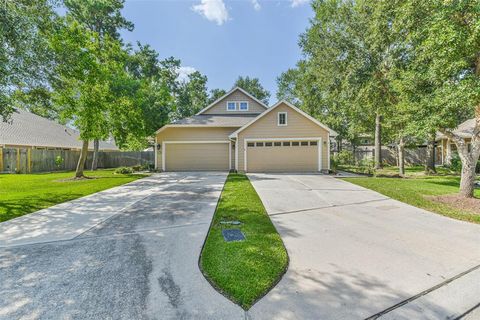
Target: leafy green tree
{"x":25,"y":59}
{"x":254,"y":87}
{"x":215,"y":94}
{"x":192,"y":96}
{"x":150,"y":85}
{"x":442,"y":80}
{"x":82,"y":89}
{"x":104,"y":18}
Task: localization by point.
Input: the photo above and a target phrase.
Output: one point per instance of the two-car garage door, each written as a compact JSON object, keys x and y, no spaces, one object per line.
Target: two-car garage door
{"x":196,"y":156}
{"x":282,"y":156}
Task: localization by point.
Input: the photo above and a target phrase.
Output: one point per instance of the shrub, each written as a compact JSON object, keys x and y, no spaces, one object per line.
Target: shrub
{"x":456,"y":163}
{"x":124,"y":170}
{"x":59,"y":161}
{"x":344,"y":157}
{"x":366,"y":166}
{"x":137,"y":168}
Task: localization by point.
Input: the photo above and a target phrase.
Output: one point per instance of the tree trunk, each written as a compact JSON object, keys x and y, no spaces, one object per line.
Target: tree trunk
{"x":467,"y":181}
{"x":448,"y":153}
{"x":401,"y":157}
{"x":378,"y":141}
{"x":430,"y":161}
{"x":95,"y":154}
{"x":81,"y":160}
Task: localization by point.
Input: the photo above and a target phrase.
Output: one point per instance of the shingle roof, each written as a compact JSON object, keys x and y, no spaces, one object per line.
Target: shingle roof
{"x":464,"y":130}
{"x":28,"y":129}
{"x":217,"y":120}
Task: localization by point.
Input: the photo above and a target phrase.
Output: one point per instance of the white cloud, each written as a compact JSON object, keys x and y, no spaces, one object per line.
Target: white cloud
{"x":256,"y":5}
{"x":297,"y":3}
{"x":183,"y":73}
{"x":213,"y":10}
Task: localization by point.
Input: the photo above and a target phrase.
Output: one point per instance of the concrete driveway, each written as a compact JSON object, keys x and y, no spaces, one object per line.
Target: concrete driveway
{"x":355,"y":254}
{"x":129,"y":252}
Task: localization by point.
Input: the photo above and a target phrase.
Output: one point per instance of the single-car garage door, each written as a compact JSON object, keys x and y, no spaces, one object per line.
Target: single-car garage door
{"x":196,"y":156}
{"x":282,"y":156}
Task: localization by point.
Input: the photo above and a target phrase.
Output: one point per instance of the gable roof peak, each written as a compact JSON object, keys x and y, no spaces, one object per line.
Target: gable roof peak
{"x":229,"y":93}
{"x":332,"y":133}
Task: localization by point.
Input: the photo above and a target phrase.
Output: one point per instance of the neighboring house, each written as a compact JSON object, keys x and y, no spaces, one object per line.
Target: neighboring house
{"x":465,"y":131}
{"x":28,"y":130}
{"x":240,"y":132}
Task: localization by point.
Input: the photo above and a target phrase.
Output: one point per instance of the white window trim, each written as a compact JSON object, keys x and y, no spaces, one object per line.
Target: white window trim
{"x":236,"y":106}
{"x":278,"y":119}
{"x":164,"y":150}
{"x":319,"y":148}
{"x":240,"y":102}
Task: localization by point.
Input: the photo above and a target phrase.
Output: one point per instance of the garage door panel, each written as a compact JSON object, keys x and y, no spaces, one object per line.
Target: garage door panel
{"x":282,"y":159}
{"x":197,"y":157}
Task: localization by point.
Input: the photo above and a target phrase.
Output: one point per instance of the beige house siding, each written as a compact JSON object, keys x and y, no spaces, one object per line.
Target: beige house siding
{"x":221,"y":106}
{"x":298,"y":126}
{"x":191,"y":134}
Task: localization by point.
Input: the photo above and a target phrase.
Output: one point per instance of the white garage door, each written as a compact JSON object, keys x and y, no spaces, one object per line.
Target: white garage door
{"x":283,"y":156}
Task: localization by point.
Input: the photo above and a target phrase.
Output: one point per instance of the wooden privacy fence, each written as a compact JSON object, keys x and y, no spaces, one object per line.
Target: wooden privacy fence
{"x":413,"y":156}
{"x":27,"y":160}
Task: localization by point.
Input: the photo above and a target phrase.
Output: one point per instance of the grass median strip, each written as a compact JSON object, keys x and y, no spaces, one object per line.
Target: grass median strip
{"x":245,"y":270}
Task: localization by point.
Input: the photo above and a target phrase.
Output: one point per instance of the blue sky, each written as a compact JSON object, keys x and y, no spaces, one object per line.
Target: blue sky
{"x":223,"y":39}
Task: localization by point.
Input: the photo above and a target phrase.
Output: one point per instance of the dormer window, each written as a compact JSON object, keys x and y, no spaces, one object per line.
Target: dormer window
{"x":237,"y":106}
{"x":282,"y":119}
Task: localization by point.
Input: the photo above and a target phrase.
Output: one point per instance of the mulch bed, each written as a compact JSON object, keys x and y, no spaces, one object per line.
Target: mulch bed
{"x":458,"y":202}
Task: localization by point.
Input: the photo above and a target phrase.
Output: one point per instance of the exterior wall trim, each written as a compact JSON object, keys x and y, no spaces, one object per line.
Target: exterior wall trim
{"x":164,"y":151}
{"x":194,"y":126}
{"x":246,"y":140}
{"x":155,"y":152}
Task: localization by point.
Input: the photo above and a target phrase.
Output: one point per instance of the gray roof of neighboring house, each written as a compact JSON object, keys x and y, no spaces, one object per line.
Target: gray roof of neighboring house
{"x":28,"y":129}
{"x":233,"y":120}
{"x":464,"y":130}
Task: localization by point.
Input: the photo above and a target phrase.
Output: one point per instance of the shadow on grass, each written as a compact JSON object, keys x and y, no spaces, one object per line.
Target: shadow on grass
{"x":11,"y":209}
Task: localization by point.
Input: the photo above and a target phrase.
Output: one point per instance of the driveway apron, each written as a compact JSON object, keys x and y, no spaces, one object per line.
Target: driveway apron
{"x":126,"y":253}
{"x":356,"y":254}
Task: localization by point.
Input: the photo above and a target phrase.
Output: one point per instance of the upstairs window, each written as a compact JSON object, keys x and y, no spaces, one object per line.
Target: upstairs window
{"x":237,"y":106}
{"x":282,"y":118}
{"x":243,"y":106}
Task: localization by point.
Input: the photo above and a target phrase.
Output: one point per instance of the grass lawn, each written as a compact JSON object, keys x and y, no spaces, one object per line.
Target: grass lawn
{"x":415,"y":191}
{"x":25,"y":193}
{"x":243,"y":271}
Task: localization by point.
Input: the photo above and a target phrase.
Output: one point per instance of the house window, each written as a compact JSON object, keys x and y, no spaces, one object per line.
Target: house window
{"x":259,"y":144}
{"x":277,"y":144}
{"x":286,"y":144}
{"x":268,"y":144}
{"x":295,"y":143}
{"x":282,"y":118}
{"x":313,"y":143}
{"x":243,"y":106}
{"x":231,"y":106}
{"x":304,"y":143}
{"x":251,"y":144}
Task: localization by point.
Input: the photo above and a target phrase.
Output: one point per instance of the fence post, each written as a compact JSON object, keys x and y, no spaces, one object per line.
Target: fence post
{"x":29,"y":160}
{"x":18,"y":160}
{"x":1,"y":159}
